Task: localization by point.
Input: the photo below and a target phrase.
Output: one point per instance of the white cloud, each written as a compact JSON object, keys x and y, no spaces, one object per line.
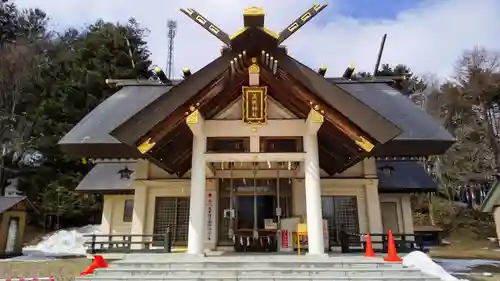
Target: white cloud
{"x":428,"y":38}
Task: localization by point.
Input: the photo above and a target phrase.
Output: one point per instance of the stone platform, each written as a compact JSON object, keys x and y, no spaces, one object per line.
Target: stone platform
{"x":246,"y":267}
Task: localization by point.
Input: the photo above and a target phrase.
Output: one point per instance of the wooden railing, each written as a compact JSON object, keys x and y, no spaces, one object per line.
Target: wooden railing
{"x":129,"y":243}
{"x":404,"y":242}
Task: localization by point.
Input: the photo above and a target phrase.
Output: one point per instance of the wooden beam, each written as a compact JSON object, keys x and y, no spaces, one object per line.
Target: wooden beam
{"x":178,"y":116}
{"x":329,"y":130}
{"x":169,"y":138}
{"x":184,"y":153}
{"x":231,"y":91}
{"x":331,"y":114}
{"x":282,"y":95}
{"x":360,"y":115}
{"x":255,"y":157}
{"x":330,"y":150}
{"x":327,"y":164}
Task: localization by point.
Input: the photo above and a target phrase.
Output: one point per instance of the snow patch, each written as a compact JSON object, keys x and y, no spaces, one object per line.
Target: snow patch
{"x":423,"y":262}
{"x":62,"y":243}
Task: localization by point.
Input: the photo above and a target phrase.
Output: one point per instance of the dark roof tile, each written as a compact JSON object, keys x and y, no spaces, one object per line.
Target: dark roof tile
{"x":7,"y":202}
{"x":91,"y":138}
{"x":404,"y":176}
{"x":422,"y":135}
{"x":106,"y":177}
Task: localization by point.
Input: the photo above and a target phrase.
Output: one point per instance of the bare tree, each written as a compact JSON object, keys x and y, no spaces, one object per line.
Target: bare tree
{"x":478,"y":74}
{"x":19,"y":70}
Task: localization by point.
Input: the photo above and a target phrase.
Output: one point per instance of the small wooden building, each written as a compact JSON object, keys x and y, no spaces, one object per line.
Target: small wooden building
{"x":13,"y":213}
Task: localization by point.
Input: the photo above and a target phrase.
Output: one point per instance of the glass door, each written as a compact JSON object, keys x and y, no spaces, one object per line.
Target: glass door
{"x":172,"y":212}
{"x":244,"y":213}
{"x":341,"y":213}
{"x":254,"y":202}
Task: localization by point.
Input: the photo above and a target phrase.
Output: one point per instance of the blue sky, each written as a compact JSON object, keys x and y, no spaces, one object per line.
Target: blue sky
{"x":371,"y":9}
{"x":427,"y":35}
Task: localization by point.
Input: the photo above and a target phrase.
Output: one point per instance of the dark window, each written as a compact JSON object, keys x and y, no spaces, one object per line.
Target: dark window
{"x":173,"y":213}
{"x":228,"y":145}
{"x":128,"y":210}
{"x":292,"y":144}
{"x":341,"y":213}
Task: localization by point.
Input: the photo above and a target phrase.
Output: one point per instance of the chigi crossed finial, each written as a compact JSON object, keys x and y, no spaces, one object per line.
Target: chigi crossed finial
{"x":253,"y":17}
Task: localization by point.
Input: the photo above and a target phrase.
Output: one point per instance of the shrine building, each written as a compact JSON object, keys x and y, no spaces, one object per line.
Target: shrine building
{"x":254,"y":143}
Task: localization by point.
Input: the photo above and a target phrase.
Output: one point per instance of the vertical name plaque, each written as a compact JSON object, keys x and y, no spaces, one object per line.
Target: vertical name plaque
{"x":254,"y":105}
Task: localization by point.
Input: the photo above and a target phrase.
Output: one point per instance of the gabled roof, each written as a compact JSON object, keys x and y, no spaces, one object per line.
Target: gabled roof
{"x":422,"y":135}
{"x":91,"y":138}
{"x":350,"y":120}
{"x":146,"y":117}
{"x":213,"y":87}
{"x":105,"y":177}
{"x":404,"y":177}
{"x":8,"y":202}
{"x":345,"y":102}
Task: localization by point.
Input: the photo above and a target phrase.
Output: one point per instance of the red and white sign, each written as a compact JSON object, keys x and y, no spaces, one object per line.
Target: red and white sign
{"x":211,"y":205}
{"x":285,"y":237}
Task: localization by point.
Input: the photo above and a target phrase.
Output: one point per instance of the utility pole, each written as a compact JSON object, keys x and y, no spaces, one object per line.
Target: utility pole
{"x":172,"y":30}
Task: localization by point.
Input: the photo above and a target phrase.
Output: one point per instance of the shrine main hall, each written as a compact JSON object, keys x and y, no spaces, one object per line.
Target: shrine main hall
{"x":237,"y":154}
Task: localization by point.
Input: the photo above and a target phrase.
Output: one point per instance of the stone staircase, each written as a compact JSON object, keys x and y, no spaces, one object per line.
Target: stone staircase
{"x":247,"y":267}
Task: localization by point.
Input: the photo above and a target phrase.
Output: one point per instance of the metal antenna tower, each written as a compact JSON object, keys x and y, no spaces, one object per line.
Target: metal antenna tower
{"x":172,"y":30}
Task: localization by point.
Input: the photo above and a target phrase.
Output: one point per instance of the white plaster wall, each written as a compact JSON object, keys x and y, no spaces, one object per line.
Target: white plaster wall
{"x":404,"y":212}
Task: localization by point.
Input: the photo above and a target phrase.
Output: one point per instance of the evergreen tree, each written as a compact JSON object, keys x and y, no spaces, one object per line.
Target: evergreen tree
{"x":79,"y":62}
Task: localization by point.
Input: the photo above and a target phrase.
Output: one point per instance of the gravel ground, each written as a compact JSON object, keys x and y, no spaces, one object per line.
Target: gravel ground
{"x":62,"y":270}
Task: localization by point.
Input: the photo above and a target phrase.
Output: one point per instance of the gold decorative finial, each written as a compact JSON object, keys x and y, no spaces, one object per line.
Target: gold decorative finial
{"x":254,"y":60}
{"x":253,"y":11}
{"x":253,"y":17}
{"x":254,"y":68}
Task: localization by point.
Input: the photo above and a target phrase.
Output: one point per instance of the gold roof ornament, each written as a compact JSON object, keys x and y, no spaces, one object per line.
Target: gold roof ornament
{"x":146,"y":145}
{"x":254,"y":68}
{"x":253,"y":17}
{"x":253,"y":11}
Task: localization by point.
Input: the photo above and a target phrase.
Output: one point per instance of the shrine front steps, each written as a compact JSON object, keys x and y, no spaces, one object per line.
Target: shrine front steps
{"x":241,"y":267}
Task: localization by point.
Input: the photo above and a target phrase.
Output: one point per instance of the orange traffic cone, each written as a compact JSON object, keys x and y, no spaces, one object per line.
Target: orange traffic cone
{"x":101,"y":263}
{"x":369,"y":247}
{"x":392,"y":255}
{"x":89,"y":270}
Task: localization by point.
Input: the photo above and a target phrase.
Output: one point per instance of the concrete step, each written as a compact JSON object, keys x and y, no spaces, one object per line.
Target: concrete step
{"x":254,"y":268}
{"x":240,"y":272}
{"x":254,"y":278}
{"x":292,"y":263}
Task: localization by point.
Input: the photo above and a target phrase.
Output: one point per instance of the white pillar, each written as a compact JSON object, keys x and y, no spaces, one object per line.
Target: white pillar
{"x":139,"y":213}
{"x":107,"y":214}
{"x":196,"y":234}
{"x":312,"y":186}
